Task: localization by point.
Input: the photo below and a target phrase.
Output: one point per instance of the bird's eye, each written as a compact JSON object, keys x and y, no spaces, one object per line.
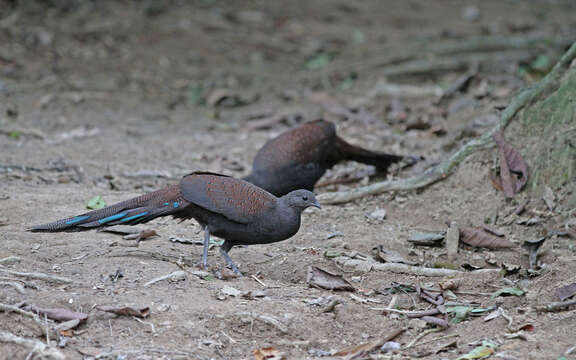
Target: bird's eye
{"x":305,"y":198}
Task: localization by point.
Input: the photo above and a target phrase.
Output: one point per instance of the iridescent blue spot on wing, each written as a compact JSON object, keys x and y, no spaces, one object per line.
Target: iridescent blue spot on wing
{"x":166,"y":204}
{"x":175,"y":205}
{"x":77,"y":219}
{"x":134,"y":216}
{"x":113,"y":217}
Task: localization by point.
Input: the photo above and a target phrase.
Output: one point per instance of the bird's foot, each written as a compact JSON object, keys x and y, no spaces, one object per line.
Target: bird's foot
{"x":230,"y":262}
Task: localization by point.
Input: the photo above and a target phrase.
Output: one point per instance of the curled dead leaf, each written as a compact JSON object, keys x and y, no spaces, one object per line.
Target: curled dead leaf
{"x":513,"y":169}
{"x":479,"y":237}
{"x":323,"y":279}
{"x":143,"y":312}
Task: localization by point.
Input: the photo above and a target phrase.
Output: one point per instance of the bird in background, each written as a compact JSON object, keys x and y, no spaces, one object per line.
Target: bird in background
{"x":229,"y":208}
{"x":297,"y":158}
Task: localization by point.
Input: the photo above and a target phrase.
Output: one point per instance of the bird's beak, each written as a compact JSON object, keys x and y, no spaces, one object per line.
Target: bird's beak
{"x":316,"y":204}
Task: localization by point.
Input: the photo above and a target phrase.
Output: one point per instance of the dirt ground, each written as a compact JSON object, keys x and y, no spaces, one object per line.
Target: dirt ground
{"x":119,"y":98}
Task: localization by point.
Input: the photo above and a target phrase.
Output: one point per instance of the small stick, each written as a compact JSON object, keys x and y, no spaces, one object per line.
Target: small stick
{"x":556,"y":306}
{"x":436,"y":321}
{"x":421,"y":335}
{"x":17,"y":286}
{"x":146,"y":323}
{"x":435,"y":339}
{"x":258,"y":280}
{"x":37,"y":276}
{"x":173,"y":275}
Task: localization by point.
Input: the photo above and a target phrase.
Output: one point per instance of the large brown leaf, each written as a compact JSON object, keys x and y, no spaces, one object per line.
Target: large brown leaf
{"x":513,"y":168}
{"x":480,"y":237}
{"x":323,"y":279}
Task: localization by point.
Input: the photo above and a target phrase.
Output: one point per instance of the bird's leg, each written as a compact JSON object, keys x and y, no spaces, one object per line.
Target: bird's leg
{"x":224,"y":252}
{"x":206,"y":246}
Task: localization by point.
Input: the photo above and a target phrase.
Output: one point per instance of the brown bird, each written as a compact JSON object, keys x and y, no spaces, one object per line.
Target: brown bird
{"x":229,"y":208}
{"x":297,"y":158}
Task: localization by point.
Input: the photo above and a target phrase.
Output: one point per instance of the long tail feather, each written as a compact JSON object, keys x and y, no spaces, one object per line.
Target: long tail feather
{"x":141,"y":209}
{"x":380,"y":160}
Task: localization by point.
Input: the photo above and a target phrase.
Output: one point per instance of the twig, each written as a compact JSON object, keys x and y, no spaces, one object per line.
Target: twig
{"x":10,"y":260}
{"x":17,"y":286}
{"x":180,"y":261}
{"x":37,"y":276}
{"x":265,"y":319}
{"x":424,"y":271}
{"x":37,"y":347}
{"x":172,"y":276}
{"x":12,"y":308}
{"x":525,"y":98}
{"x":556,"y":306}
{"x":421,"y":335}
{"x":435,"y":339}
{"x":410,"y":314}
{"x":258,"y":280}
{"x":146,"y":323}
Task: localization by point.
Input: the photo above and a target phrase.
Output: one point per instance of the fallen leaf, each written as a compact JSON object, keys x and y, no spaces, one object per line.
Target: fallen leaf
{"x":57,"y":314}
{"x":565,"y":292}
{"x":513,"y":168}
{"x":269,"y":353}
{"x":389,"y":256}
{"x":363,"y":349}
{"x":378,"y":214}
{"x":126,"y":310}
{"x":533,"y":246}
{"x":458,"y":313}
{"x":96,"y":203}
{"x":230,"y":291}
{"x":485,"y":350}
{"x":508,"y":291}
{"x":67,"y":326}
{"x":424,"y":238}
{"x":121,"y":229}
{"x":479,"y":237}
{"x":144,"y":234}
{"x":324,"y":280}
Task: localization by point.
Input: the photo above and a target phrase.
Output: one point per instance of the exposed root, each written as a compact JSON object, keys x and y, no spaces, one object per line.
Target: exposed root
{"x":440,"y":172}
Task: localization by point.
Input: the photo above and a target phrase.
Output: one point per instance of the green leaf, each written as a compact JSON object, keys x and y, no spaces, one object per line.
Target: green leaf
{"x":318,"y":61}
{"x":458,"y":313}
{"x":96,"y":203}
{"x":480,"y":352}
{"x":508,"y":292}
{"x":15,"y":134}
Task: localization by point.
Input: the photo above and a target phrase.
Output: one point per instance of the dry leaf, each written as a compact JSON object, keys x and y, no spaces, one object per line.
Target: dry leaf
{"x":57,"y":314}
{"x":389,"y":256}
{"x":358,"y":351}
{"x":126,"y":310}
{"x":513,"y":168}
{"x":322,"y":279}
{"x":269,"y":353}
{"x":565,"y":292}
{"x":479,"y":237}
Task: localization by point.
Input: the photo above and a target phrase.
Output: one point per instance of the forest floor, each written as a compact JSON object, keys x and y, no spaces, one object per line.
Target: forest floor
{"x":119,"y":98}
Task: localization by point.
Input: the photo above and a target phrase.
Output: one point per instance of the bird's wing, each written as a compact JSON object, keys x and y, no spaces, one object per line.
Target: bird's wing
{"x":235,"y":199}
{"x":308,"y":143}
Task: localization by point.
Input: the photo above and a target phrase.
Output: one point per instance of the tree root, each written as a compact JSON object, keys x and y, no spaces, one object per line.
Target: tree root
{"x":441,"y":171}
{"x":38,"y":350}
{"x":37,"y":276}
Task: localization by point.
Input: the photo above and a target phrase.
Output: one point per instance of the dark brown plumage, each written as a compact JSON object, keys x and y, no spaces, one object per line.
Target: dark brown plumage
{"x":298,"y":158}
{"x":229,"y":208}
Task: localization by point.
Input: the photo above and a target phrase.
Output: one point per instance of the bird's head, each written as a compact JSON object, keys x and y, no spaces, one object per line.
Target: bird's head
{"x":301,"y":199}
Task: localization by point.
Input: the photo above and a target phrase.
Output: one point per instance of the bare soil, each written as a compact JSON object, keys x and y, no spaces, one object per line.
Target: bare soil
{"x":96,"y":95}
